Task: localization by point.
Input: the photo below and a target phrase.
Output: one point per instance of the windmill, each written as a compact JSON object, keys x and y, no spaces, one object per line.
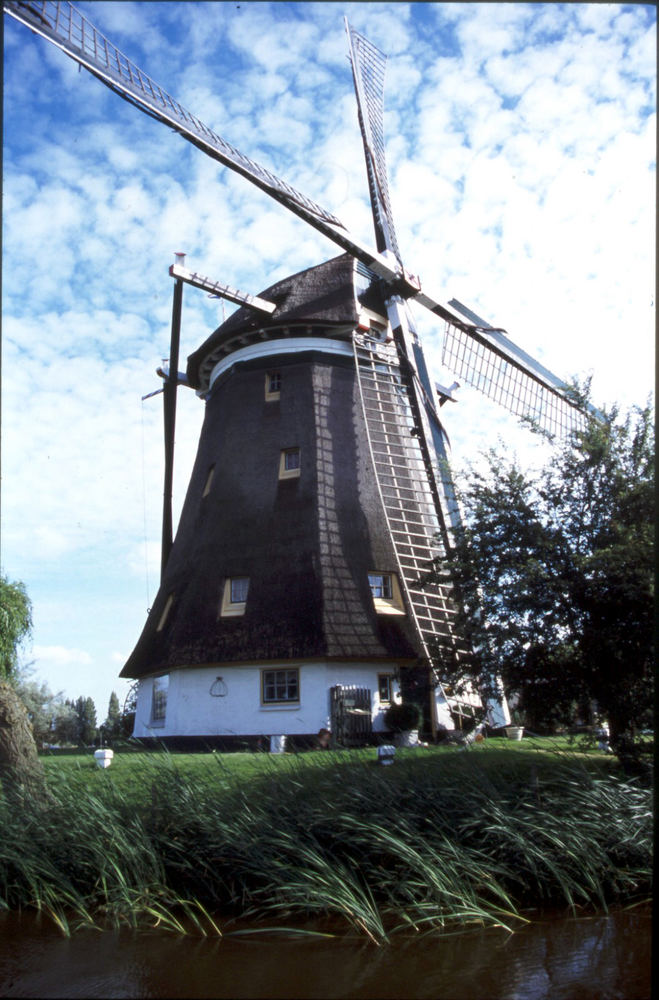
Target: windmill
{"x":320,"y":492}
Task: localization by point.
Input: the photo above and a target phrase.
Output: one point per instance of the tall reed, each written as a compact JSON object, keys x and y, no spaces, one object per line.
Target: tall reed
{"x":430,"y":844}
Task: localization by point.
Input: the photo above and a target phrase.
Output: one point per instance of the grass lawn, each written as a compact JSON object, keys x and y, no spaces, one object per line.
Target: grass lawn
{"x":502,"y":760}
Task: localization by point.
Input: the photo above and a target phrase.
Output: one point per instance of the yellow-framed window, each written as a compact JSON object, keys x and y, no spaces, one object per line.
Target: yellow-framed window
{"x":234,"y":596}
{"x":387,"y":596}
{"x":290,"y":463}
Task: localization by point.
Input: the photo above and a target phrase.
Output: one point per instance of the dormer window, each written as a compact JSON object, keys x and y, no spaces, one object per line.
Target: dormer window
{"x":387,"y":596}
{"x":289,"y":463}
{"x":380,"y":584}
{"x":234,"y":596}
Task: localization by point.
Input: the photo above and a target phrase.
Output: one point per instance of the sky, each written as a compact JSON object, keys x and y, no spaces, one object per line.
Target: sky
{"x":521,"y":156}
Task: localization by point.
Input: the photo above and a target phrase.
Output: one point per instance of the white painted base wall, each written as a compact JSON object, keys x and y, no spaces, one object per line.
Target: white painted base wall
{"x":497,"y":713}
{"x":193,"y":711}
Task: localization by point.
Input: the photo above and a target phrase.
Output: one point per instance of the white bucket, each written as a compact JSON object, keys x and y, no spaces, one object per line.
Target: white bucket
{"x":103,"y":757}
{"x":514,"y":732}
{"x":408,"y":738}
{"x":277,"y":744}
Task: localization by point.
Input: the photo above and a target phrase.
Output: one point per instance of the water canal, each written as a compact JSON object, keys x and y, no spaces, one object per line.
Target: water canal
{"x":554,"y":958}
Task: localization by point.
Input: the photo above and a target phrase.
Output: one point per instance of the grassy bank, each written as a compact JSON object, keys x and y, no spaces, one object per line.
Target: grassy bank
{"x":441,"y":839}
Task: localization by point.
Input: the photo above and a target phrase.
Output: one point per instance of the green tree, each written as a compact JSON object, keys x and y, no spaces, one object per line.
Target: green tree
{"x":53,"y":719}
{"x":40,"y":702}
{"x":556,"y":575}
{"x":112,"y":727}
{"x":21,"y":773}
{"x":86,"y":716}
{"x":15,"y":624}
{"x":64,"y":724}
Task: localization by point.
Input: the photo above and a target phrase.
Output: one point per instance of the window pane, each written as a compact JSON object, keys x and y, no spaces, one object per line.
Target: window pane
{"x":159,"y":698}
{"x":269,"y":692}
{"x":274,"y":381}
{"x":380,"y":584}
{"x":384,"y":684}
{"x":239,"y":588}
{"x":292,"y":459}
{"x":281,"y":685}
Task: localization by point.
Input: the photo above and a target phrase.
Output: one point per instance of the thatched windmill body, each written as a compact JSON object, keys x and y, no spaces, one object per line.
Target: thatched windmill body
{"x":291,"y":598}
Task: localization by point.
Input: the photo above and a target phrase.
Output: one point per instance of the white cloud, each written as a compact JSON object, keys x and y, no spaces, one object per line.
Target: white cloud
{"x":61,"y":656}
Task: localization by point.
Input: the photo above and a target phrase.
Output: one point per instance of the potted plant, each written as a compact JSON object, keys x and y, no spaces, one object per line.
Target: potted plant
{"x":403,"y":718}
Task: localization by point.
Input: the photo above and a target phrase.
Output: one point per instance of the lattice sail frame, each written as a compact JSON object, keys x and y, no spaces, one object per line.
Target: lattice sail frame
{"x":71,"y":31}
{"x":408,"y":504}
{"x":368,"y":73}
{"x":478,"y":363}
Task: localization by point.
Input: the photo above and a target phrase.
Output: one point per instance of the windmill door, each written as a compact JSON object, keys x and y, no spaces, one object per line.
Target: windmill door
{"x":351,"y":715}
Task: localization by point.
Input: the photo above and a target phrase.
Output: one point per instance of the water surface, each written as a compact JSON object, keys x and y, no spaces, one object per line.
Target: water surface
{"x":555,"y":958}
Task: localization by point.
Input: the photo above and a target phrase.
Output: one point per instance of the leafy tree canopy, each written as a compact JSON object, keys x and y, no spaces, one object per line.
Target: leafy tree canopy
{"x":556,"y":573}
{"x":86,"y":718}
{"x":15,"y":624}
{"x":112,"y":727}
{"x":53,"y":720}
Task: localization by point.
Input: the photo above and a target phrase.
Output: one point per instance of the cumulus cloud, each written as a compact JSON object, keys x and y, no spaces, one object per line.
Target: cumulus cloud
{"x":521,"y":152}
{"x":60,"y":655}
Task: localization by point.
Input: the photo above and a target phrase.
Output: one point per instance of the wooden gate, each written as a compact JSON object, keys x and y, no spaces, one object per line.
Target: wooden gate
{"x":350,"y":715}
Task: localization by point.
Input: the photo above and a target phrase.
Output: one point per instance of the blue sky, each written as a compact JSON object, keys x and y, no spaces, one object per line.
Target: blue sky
{"x":521,"y":153}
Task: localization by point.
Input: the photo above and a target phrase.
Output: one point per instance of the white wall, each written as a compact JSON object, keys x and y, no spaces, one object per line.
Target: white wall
{"x":192,"y":710}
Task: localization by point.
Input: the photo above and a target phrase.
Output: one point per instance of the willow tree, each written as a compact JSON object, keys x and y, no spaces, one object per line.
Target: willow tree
{"x":20,"y":769}
{"x":556,"y":572}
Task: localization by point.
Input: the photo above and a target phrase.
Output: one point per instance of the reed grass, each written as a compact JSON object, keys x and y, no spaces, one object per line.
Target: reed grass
{"x":439,"y":841}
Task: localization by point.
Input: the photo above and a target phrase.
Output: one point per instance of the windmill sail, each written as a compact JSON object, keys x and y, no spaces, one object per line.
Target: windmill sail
{"x":489,"y":361}
{"x":477,"y":353}
{"x":63,"y":25}
{"x":66,"y":27}
{"x":368,"y":65}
